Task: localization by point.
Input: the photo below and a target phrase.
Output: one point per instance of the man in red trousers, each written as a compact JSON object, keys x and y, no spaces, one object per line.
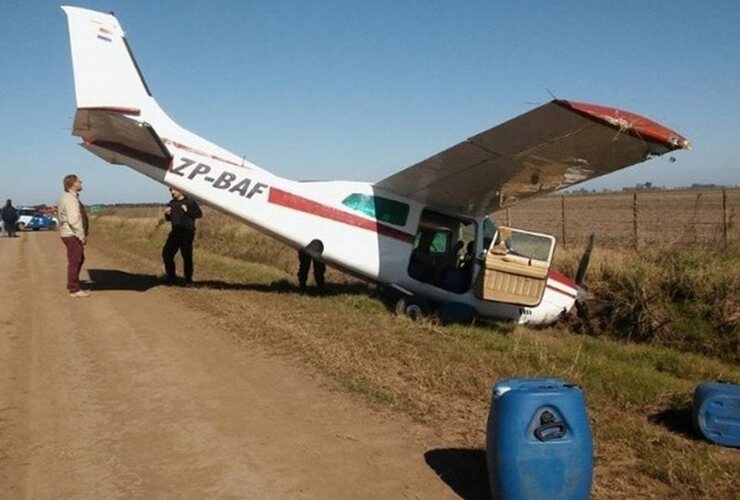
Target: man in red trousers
{"x":73,"y":227}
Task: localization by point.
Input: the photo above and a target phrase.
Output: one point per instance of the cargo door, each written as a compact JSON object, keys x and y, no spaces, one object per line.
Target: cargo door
{"x":515,"y":267}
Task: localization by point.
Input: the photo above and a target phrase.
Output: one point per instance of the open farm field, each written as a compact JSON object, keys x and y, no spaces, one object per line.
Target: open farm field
{"x":638,"y":379}
{"x":662,"y":217}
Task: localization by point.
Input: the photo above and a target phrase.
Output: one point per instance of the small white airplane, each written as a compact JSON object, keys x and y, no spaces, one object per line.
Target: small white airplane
{"x":423,"y":232}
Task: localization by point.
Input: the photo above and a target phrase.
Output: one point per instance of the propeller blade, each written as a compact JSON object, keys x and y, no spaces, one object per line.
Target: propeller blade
{"x":585,"y":259}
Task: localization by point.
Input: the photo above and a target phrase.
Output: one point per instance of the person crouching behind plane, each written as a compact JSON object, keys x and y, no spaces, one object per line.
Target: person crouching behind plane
{"x":73,"y":228}
{"x":181,"y":212}
{"x":305,"y":256}
{"x":9,"y":215}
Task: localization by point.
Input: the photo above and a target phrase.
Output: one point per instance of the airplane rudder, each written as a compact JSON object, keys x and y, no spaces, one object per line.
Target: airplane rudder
{"x":105,"y":72}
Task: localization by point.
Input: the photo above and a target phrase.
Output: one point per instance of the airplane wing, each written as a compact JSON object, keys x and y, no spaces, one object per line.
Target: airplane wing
{"x":554,"y":146}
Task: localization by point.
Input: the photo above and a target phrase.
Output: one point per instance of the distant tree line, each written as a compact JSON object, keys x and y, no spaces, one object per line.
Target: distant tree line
{"x":132,"y":205}
{"x":647,"y":186}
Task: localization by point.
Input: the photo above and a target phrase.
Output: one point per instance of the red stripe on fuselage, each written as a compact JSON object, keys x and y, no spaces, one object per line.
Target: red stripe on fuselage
{"x":296,"y":202}
{"x":567,"y":294}
{"x":561,"y":278}
{"x":198,"y":152}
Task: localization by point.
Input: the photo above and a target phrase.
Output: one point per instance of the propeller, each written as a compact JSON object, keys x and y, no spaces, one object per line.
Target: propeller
{"x":582,"y":295}
{"x":585,"y":259}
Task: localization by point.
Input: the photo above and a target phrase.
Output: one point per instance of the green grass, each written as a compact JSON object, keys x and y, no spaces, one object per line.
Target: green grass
{"x":637,"y":392}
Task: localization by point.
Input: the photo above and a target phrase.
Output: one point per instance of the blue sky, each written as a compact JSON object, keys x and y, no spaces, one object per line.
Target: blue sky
{"x":359,"y":90}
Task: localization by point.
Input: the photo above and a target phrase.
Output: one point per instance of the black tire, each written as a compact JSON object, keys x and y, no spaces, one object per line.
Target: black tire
{"x":414,"y":309}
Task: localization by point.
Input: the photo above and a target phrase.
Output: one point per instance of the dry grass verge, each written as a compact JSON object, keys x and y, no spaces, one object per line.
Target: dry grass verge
{"x":687,"y":299}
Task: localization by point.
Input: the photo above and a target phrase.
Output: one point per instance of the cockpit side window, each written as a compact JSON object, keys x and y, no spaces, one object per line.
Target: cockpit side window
{"x":382,"y":209}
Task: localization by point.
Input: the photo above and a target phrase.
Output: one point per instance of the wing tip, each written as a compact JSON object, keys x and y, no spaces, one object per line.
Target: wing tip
{"x":630,"y":122}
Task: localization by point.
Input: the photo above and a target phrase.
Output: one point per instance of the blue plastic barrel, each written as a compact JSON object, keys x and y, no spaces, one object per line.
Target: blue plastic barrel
{"x":538,"y":440}
{"x":717,"y":412}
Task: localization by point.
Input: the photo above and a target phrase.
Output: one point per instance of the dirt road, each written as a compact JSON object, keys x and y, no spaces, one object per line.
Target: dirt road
{"x":128,"y":394}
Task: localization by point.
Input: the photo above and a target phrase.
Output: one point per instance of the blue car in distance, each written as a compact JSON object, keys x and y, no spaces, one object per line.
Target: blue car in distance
{"x":32,"y":219}
{"x":41,"y":221}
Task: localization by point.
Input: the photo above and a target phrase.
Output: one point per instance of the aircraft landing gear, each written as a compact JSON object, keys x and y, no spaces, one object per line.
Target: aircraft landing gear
{"x":412,"y":307}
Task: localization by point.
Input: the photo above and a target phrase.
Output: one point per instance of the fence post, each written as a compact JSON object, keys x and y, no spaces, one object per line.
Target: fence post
{"x":562,"y":218}
{"x":634,"y":220}
{"x":724,"y":218}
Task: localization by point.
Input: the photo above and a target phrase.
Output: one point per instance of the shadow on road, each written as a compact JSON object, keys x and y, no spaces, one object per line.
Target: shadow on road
{"x":113,"y":279}
{"x":464,"y":470}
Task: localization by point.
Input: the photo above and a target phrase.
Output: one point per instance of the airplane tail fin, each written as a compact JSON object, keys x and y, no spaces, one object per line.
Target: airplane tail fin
{"x":105,"y":72}
{"x":117,"y":116}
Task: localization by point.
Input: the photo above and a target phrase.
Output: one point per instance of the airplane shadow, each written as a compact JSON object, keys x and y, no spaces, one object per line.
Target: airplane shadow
{"x":114,"y":279}
{"x":285,"y":286}
{"x":464,"y":470}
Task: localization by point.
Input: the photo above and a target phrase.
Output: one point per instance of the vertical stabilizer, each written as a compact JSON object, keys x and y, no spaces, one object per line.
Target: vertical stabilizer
{"x":113,"y":98}
{"x":105,"y":72}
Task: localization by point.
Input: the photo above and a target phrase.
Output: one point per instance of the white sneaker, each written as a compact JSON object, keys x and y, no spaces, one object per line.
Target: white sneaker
{"x":79,"y":294}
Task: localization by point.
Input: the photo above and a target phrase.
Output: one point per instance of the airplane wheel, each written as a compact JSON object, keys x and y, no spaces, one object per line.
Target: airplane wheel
{"x":21,"y":226}
{"x":414,"y":312}
{"x":410,"y":307}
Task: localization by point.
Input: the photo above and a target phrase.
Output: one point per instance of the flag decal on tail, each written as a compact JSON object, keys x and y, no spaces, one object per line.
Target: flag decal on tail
{"x":104,"y":34}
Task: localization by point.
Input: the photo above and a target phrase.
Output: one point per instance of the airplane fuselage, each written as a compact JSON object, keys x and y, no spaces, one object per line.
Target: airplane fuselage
{"x":297,"y":213}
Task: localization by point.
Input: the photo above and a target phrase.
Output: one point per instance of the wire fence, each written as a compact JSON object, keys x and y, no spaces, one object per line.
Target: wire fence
{"x":633,"y":219}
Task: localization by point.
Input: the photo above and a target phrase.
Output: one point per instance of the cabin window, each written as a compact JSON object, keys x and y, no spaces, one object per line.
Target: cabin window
{"x":433,"y":242}
{"x":528,"y":245}
{"x":382,"y":209}
{"x":440,"y":242}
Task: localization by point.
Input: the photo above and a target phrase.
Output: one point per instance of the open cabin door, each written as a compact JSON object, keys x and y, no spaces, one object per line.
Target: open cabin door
{"x":515,"y":267}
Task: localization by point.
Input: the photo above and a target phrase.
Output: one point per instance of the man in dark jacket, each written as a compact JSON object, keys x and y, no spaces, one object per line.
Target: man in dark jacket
{"x":9,"y":215}
{"x":181,"y":212}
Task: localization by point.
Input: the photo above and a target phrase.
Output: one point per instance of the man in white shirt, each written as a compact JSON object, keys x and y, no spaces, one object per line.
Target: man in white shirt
{"x":73,"y":228}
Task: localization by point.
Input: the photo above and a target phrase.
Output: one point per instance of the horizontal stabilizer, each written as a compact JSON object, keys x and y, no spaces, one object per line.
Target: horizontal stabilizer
{"x":109,"y":133}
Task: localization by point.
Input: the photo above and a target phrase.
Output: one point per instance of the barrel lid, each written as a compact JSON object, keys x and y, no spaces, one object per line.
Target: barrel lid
{"x":543,"y":384}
